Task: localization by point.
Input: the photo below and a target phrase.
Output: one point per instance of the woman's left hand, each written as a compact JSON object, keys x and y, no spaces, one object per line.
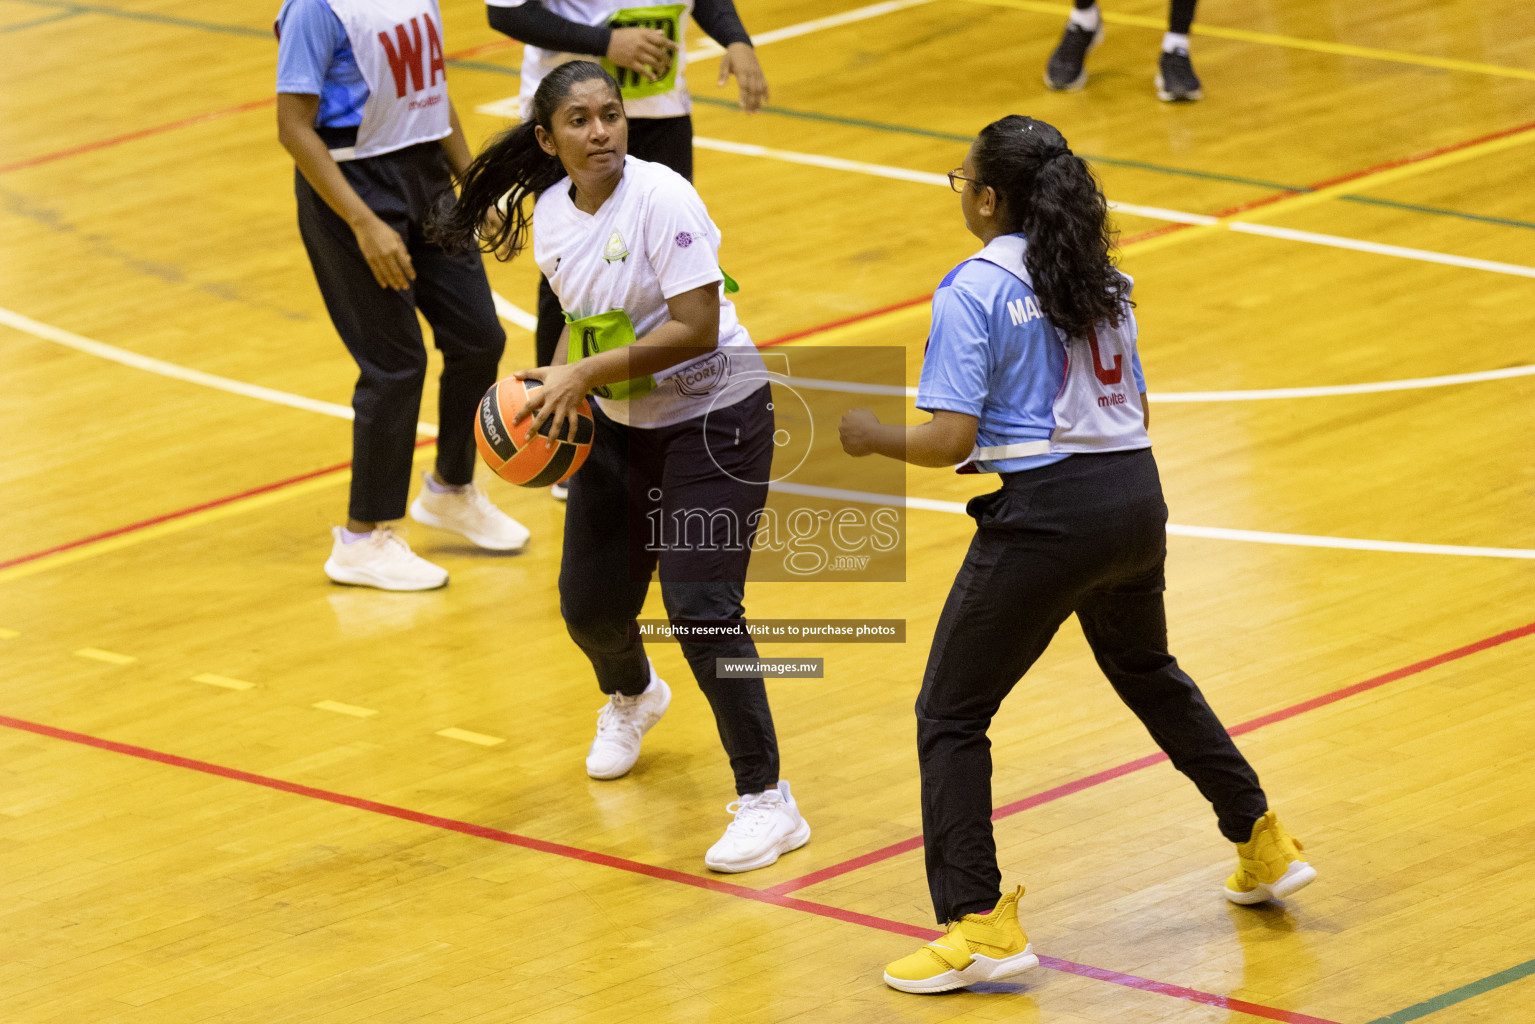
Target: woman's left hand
{"x":741,"y":60}
{"x":557,"y":403}
{"x":857,"y":432}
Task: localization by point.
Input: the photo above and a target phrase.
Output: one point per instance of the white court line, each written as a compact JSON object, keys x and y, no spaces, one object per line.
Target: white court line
{"x":1253,"y":395}
{"x":1424,"y":255}
{"x":1149,"y":212}
{"x":510,"y":108}
{"x":117,"y":355}
{"x":1205,"y":532}
{"x":710,"y":48}
{"x":512,"y":313}
{"x":68,"y":339}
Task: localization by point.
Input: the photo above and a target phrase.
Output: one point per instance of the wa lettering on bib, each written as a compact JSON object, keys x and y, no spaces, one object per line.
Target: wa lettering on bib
{"x":398,"y":48}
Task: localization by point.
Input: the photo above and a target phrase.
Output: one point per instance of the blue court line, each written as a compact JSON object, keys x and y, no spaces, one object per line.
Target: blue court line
{"x":808,"y":115}
{"x":1459,"y":995}
{"x":46,"y":19}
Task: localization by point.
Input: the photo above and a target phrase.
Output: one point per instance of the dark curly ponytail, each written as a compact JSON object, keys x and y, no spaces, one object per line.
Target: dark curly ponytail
{"x":513,"y":166}
{"x":1048,"y":193}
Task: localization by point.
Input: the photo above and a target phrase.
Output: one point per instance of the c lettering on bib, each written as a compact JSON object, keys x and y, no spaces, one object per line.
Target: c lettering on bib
{"x":1105,"y":376}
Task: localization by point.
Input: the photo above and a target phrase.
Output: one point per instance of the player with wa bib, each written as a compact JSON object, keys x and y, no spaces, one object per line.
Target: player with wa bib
{"x":684,"y":426}
{"x":1032,"y":372}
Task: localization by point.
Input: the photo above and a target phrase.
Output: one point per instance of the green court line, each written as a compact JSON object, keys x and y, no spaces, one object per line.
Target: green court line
{"x":804,"y":115}
{"x":1506,"y":222}
{"x":159,"y":19}
{"x":47,"y":19}
{"x":1459,"y":995}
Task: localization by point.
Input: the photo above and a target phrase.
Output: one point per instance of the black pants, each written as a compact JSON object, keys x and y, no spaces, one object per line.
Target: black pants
{"x":380,"y":329}
{"x":1085,"y":535}
{"x":621,"y":522}
{"x":664,"y":140}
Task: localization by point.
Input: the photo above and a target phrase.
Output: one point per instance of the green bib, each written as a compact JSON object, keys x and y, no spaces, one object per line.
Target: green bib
{"x":668,"y":18}
{"x":603,"y":333}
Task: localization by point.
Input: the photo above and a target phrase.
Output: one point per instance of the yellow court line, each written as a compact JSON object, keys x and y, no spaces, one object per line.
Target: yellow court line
{"x":345,"y":709}
{"x":478,"y":738}
{"x":1272,"y":39}
{"x":225,"y":681}
{"x":110,"y":657}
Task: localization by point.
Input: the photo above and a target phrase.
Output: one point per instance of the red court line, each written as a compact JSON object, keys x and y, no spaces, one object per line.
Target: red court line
{"x":183,"y":513}
{"x":142,"y":133}
{"x":636,"y":867}
{"x":1129,"y":767}
{"x":187,"y":122}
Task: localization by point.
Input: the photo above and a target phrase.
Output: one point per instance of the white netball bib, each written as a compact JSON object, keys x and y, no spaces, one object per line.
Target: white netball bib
{"x":1098,"y":407}
{"x":398,"y":48}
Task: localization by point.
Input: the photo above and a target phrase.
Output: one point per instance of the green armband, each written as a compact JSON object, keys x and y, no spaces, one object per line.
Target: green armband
{"x":604,"y":332}
{"x":668,"y":18}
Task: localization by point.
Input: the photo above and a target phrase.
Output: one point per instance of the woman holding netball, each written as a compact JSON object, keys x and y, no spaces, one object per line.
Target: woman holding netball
{"x":1031,"y":372}
{"x":362,"y":106}
{"x":683,"y":431}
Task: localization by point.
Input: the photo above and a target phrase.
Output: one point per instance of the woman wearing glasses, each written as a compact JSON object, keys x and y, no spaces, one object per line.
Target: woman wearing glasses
{"x":684,"y":426}
{"x":1031,"y":372}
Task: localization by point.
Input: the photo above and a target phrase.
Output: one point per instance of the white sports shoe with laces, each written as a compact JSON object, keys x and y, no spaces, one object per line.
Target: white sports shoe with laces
{"x":468,"y":511}
{"x":622,"y":724}
{"x":766,"y":825}
{"x":383,"y":560}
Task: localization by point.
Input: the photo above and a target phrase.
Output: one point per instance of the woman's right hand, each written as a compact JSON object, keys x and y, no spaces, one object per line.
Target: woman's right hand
{"x":555,"y":408}
{"x":385,"y":252}
{"x":646,"y":50}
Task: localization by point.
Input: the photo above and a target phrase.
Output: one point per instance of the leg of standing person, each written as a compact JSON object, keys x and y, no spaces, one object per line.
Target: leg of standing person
{"x":1067,"y":67}
{"x":604,"y":576}
{"x":380,"y":330}
{"x":454,"y":296}
{"x":1012,"y":592}
{"x":1176,"y":80}
{"x":713,"y":490}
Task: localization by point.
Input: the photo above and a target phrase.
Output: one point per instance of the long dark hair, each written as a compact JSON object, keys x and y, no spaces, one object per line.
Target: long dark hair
{"x":1048,"y":193}
{"x":512,"y":165}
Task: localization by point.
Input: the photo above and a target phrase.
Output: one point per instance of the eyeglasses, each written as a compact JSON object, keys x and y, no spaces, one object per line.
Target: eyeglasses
{"x":955,"y":178}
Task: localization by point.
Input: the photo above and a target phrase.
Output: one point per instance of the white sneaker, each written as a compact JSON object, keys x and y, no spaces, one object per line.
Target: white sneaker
{"x":766,"y":825}
{"x":382,"y":560}
{"x":622,"y":724}
{"x":468,"y":511}
{"x":559,"y":492}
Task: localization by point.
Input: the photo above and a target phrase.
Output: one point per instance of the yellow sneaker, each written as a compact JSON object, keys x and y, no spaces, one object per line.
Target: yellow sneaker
{"x":978,"y":947}
{"x":1268,"y":865}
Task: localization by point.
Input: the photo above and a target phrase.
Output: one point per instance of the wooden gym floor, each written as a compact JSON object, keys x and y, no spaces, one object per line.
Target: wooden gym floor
{"x":230,"y":791}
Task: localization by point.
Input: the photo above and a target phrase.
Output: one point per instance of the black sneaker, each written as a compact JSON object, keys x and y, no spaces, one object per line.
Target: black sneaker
{"x":1175,"y":77}
{"x":1066,"y":69}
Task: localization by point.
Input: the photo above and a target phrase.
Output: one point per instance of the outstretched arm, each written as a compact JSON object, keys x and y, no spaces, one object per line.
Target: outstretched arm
{"x":719,"y":19}
{"x":944,"y":440}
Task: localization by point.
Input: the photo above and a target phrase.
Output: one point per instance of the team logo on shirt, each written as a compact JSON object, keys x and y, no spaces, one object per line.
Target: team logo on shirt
{"x":617,"y":250}
{"x":703,"y":376}
{"x":683,"y":239}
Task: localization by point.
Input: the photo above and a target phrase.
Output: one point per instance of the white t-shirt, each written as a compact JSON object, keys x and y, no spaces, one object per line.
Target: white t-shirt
{"x":652,"y":240}
{"x":537,"y":63}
